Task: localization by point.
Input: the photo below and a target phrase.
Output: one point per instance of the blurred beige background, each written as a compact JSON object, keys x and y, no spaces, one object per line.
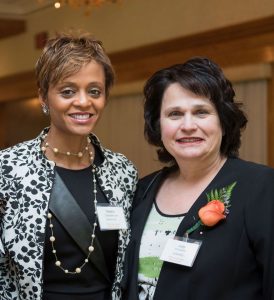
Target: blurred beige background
{"x":129,"y":30}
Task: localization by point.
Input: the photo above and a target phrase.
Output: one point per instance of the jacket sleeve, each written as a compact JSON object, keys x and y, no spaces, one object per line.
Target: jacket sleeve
{"x":1,"y":227}
{"x":2,"y":207}
{"x":4,"y":265}
{"x":7,"y":186}
{"x":259,"y":214}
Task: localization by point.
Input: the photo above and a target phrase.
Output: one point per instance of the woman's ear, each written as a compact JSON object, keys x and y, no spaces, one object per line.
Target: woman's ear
{"x":43,"y":102}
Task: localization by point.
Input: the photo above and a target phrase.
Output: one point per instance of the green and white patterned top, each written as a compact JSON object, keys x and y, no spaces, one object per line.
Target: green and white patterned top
{"x":158,"y":229}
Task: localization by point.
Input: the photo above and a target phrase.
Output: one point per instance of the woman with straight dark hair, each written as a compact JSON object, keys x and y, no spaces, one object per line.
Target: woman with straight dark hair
{"x":202,"y":227}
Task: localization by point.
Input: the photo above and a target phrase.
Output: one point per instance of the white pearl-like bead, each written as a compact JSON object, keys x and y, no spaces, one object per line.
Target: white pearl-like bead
{"x":80,"y":154}
{"x":86,"y":260}
{"x":52,"y":238}
{"x":78,"y":270}
{"x":58,"y":263}
{"x":68,"y":153}
{"x":49,"y":215}
{"x":90,"y":248}
{"x":66,"y":271}
{"x":55,"y":150}
{"x":53,"y":251}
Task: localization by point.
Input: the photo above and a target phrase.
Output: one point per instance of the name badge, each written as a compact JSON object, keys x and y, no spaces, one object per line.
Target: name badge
{"x":111,"y":217}
{"x":181,"y":251}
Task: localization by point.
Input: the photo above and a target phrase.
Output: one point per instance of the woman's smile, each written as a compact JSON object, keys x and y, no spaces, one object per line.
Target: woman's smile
{"x":189,"y":140}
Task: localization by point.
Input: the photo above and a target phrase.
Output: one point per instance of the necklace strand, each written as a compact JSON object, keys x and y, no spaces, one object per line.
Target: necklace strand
{"x":56,"y":151}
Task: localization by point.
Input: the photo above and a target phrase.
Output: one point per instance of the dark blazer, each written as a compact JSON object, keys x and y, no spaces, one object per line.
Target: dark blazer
{"x":236,"y":259}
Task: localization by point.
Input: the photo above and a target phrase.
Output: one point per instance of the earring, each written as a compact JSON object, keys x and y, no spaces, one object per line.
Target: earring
{"x":45,"y":109}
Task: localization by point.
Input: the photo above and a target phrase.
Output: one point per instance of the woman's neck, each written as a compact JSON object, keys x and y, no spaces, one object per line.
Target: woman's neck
{"x":71,"y":152}
{"x":193,"y":172}
{"x":181,"y":189}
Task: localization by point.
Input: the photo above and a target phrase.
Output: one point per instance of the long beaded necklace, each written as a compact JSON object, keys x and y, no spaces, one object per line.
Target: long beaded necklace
{"x":52,"y":238}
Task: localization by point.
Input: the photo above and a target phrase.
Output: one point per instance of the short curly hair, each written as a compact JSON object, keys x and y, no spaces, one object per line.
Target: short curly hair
{"x":202,"y":77}
{"x":65,"y":54}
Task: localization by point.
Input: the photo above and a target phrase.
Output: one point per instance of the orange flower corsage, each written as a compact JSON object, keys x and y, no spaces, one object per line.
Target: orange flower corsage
{"x":216,"y":209}
{"x":212,"y":213}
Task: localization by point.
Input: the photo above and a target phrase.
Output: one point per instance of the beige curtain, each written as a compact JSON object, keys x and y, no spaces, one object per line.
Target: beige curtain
{"x":253,"y":95}
{"x":121,"y":127}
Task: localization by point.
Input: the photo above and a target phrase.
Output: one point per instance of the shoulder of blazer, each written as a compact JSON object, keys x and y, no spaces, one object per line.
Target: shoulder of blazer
{"x":116,"y":160}
{"x":145,"y":183}
{"x":250,"y":169}
{"x":27,"y":153}
{"x":13,"y":152}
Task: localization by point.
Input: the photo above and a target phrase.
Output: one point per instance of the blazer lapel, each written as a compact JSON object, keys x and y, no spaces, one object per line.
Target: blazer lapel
{"x":144,"y":201}
{"x":112,"y":188}
{"x":192,"y":216}
{"x":141,"y":212}
{"x":168,"y":270}
{"x":67,"y":211}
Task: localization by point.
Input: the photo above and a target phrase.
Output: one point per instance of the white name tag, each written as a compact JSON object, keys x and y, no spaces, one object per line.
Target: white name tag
{"x":181,"y":251}
{"x":111,"y":217}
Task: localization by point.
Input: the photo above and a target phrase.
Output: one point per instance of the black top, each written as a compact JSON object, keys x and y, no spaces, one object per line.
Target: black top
{"x":90,"y":283}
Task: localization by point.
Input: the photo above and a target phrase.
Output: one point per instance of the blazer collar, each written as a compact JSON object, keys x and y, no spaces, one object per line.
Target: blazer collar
{"x":37,"y":156}
{"x":144,"y":203}
{"x":107,"y":175}
{"x":65,"y":208}
{"x":191,"y":217}
{"x":110,"y":181}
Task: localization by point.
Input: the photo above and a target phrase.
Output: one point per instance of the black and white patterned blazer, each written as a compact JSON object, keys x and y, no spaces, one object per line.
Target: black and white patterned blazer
{"x":26,"y":180}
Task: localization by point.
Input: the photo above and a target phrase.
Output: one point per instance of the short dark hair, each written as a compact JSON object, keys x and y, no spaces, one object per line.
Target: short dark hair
{"x":202,"y":77}
{"x":65,"y":54}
